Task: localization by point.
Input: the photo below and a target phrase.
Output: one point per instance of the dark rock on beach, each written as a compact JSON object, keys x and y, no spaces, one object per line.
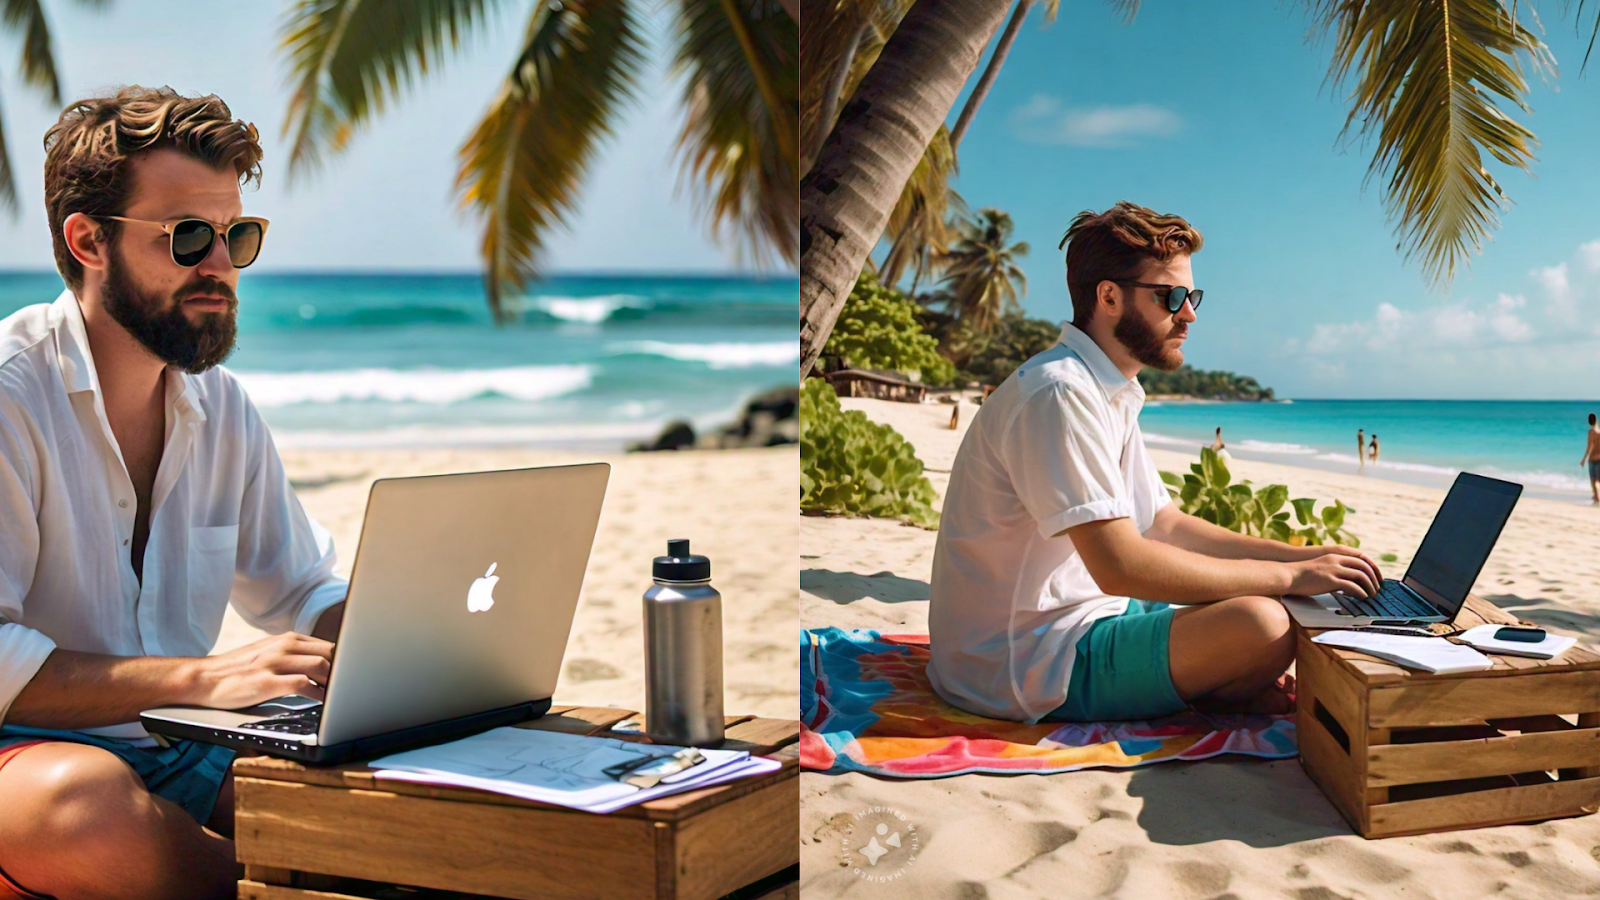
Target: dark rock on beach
{"x":768,"y":420}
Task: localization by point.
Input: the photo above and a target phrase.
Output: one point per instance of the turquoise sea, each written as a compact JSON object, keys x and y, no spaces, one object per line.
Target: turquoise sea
{"x":587,"y":360}
{"x":1533,"y":442}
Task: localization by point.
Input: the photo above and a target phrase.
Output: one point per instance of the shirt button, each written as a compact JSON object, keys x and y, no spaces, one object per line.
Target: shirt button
{"x":122,"y":503}
{"x":124,"y":543}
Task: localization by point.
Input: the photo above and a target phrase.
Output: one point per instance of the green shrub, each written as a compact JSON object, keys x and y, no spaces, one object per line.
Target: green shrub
{"x":1193,"y":382}
{"x":878,"y":329}
{"x":1206,"y":491}
{"x":852,"y":466}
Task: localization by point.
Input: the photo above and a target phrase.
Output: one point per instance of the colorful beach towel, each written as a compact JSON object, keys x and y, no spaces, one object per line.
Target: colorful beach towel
{"x":866,"y":706}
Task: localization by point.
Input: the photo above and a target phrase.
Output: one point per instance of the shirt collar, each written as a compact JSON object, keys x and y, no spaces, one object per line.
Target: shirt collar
{"x":77,"y":363}
{"x":1111,"y":379}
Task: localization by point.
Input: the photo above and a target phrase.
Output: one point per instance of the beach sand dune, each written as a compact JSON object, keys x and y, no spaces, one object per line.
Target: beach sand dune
{"x":737,"y":506}
{"x":1230,"y":827}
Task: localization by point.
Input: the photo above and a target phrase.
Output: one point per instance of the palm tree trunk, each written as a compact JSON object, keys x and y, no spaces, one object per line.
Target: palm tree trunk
{"x":882,"y":132}
{"x":980,"y":92}
{"x":830,"y":98}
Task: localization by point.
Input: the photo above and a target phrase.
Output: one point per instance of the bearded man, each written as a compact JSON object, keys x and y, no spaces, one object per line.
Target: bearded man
{"x":1056,"y":520}
{"x":139,"y":494}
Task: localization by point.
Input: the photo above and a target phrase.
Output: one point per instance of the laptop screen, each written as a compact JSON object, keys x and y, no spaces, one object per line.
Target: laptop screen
{"x":1462,"y":534}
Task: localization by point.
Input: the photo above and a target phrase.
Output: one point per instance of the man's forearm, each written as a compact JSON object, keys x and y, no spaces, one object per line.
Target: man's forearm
{"x":1174,"y":574}
{"x":87,"y":690}
{"x":1196,"y":535}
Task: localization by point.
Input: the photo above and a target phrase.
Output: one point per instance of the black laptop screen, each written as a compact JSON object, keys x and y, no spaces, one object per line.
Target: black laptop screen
{"x":1461,"y":536}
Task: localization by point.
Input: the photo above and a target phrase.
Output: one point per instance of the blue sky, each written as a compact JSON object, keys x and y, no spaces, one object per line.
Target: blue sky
{"x":387,"y":203}
{"x":1219,"y":112}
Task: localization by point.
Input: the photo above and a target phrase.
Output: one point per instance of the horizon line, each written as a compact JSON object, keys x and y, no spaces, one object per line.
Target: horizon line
{"x":605,"y":273}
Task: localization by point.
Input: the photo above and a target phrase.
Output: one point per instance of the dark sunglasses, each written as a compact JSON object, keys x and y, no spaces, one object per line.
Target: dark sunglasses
{"x":192,"y":239}
{"x":1173,"y":300}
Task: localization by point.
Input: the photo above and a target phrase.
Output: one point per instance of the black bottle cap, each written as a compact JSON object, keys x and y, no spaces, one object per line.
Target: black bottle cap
{"x":680,"y":565}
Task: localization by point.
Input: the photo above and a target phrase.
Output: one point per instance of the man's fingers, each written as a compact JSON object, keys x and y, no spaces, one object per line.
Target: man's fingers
{"x":314,"y":667}
{"x":306,"y":688}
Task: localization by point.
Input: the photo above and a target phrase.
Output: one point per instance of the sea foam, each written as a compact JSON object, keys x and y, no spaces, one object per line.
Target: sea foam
{"x":587,"y":310}
{"x":440,"y":386}
{"x":719,"y":355}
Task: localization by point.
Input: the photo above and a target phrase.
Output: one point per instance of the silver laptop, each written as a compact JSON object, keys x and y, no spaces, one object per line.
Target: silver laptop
{"x":461,"y":600}
{"x":1435,"y":586}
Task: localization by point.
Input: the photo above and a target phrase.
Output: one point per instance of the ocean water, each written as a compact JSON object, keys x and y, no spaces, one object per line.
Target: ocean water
{"x":587,"y":360}
{"x":1535,"y":443}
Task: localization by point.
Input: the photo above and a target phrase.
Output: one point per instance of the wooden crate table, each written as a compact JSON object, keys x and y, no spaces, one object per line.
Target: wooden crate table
{"x":337,"y":832}
{"x":1400,"y":751}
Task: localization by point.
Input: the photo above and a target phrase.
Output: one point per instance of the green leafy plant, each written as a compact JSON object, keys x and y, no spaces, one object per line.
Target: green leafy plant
{"x":1208,"y":491}
{"x":1191,"y":382}
{"x":878,"y":329}
{"x":852,"y":466}
{"x":1389,"y":557}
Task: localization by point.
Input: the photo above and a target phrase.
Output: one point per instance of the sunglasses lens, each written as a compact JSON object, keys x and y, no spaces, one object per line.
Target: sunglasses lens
{"x":1175,"y":298}
{"x":191,"y":241}
{"x":1194,"y":299}
{"x":244,"y":243}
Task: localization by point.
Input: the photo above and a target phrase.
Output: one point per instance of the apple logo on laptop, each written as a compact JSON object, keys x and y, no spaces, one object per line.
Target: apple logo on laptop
{"x":481,"y":595}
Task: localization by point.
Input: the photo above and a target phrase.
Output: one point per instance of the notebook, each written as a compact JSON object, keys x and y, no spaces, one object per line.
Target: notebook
{"x":1483,"y":638}
{"x":1430,"y":654}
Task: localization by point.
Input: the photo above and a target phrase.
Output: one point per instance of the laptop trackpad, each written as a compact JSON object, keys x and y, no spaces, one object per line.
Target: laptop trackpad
{"x":291,"y":703}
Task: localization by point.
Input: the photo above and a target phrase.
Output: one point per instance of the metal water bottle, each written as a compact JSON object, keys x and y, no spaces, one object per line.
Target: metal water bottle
{"x":683,"y":651}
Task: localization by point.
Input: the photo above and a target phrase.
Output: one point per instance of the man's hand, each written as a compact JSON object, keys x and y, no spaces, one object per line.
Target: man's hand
{"x":272,"y":667}
{"x":1335,"y":568}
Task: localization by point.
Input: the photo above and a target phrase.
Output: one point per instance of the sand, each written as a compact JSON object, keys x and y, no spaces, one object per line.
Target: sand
{"x":737,"y":506}
{"x":1229,"y":827}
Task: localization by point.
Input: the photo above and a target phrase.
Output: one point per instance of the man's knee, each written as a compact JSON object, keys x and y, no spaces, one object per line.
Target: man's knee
{"x":1263,"y":617}
{"x":68,"y":796}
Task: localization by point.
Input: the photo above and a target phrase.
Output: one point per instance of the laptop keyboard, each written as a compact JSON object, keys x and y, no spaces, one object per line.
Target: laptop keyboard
{"x":1393,"y":601}
{"x":305,"y":722}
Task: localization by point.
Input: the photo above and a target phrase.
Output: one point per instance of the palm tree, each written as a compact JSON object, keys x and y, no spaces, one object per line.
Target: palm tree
{"x":1428,"y":75}
{"x":522,"y":167}
{"x":863,"y":166}
{"x":25,"y":18}
{"x":981,"y":270}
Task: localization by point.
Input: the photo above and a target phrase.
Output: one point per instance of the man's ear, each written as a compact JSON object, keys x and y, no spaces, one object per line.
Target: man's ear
{"x":85,"y":240}
{"x":1108,"y":297}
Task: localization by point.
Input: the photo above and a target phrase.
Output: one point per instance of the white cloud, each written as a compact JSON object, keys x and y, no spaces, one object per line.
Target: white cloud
{"x":1590,"y":254}
{"x":1043,"y":120}
{"x":1460,"y":325}
{"x":1558,"y":286}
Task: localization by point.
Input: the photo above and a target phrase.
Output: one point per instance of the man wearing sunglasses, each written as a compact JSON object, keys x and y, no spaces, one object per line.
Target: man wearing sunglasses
{"x":1056,"y":520}
{"x":140,"y":493}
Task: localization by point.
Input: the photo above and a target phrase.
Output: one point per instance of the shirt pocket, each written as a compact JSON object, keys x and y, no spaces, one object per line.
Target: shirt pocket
{"x":212,"y":553}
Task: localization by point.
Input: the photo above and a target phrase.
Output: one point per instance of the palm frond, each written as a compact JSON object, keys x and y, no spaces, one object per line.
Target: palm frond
{"x":839,"y":32}
{"x":1427,"y":78}
{"x":917,"y":233}
{"x":1128,"y":8}
{"x":739,"y":144}
{"x":26,"y":18}
{"x":349,"y":58}
{"x":8,"y":181}
{"x":522,"y":165}
{"x":982,"y":272}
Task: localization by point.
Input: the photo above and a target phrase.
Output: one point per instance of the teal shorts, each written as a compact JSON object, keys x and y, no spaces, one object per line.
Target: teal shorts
{"x":188,"y":773}
{"x":1121,"y":672}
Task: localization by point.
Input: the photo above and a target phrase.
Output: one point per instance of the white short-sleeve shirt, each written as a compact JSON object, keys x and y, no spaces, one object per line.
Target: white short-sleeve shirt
{"x":224,"y":522}
{"x":1055,"y":446}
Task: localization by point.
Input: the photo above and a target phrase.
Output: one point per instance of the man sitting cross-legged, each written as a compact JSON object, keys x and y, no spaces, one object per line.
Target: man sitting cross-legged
{"x":139,"y":492}
{"x":1055,"y":517}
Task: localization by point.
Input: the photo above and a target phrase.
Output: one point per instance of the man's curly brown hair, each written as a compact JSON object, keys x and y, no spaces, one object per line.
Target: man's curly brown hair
{"x":1115,"y":245}
{"x":88,"y":150}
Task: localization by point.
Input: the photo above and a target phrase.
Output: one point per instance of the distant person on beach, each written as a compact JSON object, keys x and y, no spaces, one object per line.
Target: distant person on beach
{"x":113,"y":582}
{"x":1066,"y":585}
{"x":1361,"y":448}
{"x":1372,"y":452}
{"x":1218,"y":446}
{"x":1591,"y":457}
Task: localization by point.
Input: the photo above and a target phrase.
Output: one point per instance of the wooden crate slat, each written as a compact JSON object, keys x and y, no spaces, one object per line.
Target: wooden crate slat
{"x":255,"y":890}
{"x":1463,"y":701}
{"x":1330,"y":767}
{"x":1339,"y":692}
{"x":473,"y":847}
{"x":706,"y":871}
{"x":762,"y":736}
{"x":1480,"y":809}
{"x":1392,"y":764}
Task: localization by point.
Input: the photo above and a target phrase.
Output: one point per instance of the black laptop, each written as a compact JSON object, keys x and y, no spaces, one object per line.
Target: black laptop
{"x":1435,"y":586}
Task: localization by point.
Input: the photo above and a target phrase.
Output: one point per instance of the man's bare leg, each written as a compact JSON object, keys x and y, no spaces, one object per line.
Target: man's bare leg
{"x":80,"y":824}
{"x":1229,"y":655}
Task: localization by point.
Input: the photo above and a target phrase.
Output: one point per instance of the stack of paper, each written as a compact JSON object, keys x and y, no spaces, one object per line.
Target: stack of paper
{"x":1483,"y":638}
{"x":1430,"y":654}
{"x":563,"y":769}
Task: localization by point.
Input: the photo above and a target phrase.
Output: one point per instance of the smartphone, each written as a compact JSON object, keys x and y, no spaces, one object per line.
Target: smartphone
{"x":1519,"y":633}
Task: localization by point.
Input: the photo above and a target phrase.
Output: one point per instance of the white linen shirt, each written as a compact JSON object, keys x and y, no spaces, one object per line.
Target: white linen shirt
{"x":224,"y":522}
{"x":1055,"y":446}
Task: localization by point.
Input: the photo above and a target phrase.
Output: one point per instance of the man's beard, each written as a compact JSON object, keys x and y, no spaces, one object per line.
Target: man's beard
{"x":1146,"y":346}
{"x":192,"y":347}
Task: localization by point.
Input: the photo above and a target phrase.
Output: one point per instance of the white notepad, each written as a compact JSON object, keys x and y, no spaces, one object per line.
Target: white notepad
{"x":1483,"y":638}
{"x":1430,"y":654}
